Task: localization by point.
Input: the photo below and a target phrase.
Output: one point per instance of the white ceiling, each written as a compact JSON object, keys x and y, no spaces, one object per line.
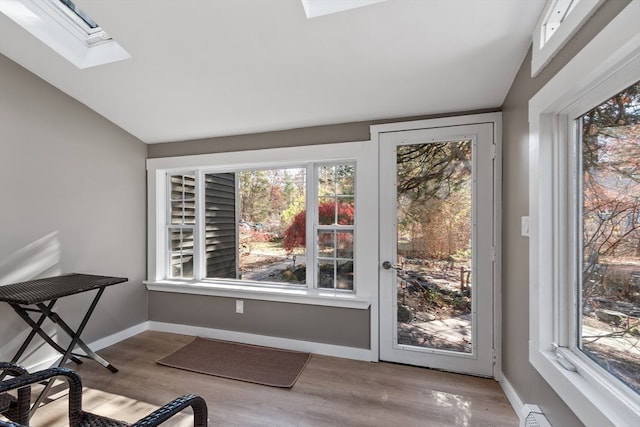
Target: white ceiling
{"x":206,"y":68}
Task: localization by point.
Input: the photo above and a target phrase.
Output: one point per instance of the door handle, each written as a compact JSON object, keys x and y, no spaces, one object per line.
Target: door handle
{"x":387,"y":265}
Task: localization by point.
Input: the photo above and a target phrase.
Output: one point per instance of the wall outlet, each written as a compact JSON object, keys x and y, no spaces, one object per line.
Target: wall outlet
{"x":239,"y":306}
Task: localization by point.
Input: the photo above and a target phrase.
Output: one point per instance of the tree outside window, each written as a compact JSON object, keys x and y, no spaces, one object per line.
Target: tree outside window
{"x":610,"y":222}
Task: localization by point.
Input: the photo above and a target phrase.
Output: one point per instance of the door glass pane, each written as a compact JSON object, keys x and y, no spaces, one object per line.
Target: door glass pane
{"x":434,"y":282}
{"x":610,"y":260}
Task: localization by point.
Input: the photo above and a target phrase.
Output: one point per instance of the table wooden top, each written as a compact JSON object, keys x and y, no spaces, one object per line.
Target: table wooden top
{"x":50,"y":288}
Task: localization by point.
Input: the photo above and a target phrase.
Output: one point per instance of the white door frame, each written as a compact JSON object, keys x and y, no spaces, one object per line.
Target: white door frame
{"x":496,"y":120}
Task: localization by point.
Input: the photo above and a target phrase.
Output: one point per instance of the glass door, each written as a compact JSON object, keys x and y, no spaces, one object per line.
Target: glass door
{"x":437,"y":246}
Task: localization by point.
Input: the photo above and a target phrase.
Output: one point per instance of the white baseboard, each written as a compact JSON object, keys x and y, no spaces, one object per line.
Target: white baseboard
{"x":242,"y":337}
{"x":512,"y":396}
{"x":53,"y":361}
{"x":119,"y":336}
{"x":284,"y":343}
{"x":95,"y":346}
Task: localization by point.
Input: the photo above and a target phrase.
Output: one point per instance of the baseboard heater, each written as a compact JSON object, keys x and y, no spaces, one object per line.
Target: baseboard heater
{"x":532,"y":416}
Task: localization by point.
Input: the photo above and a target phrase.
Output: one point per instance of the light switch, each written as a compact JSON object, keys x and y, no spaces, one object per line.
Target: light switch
{"x":524,"y":226}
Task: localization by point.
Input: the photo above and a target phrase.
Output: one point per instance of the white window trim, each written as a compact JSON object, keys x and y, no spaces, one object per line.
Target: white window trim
{"x":544,"y":51}
{"x":363,"y":153}
{"x":607,"y":65}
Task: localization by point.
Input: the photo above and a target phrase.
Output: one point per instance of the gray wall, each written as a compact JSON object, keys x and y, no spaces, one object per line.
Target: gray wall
{"x":73,"y":195}
{"x":345,"y":132}
{"x":329,"y":325}
{"x":515,"y":273}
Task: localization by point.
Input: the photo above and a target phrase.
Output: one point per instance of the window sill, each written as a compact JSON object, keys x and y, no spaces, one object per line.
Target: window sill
{"x":591,"y":399}
{"x":322,"y":297}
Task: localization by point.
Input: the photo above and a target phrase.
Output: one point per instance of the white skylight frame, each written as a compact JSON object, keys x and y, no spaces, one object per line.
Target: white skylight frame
{"x":62,"y":30}
{"x":559,"y":21}
{"x":74,"y":23}
{"x":315,"y":8}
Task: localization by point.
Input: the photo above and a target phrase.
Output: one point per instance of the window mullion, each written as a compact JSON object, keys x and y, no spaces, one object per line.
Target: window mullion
{"x":563,"y":271}
{"x":167,"y":226}
{"x":236,"y":221}
{"x":312,"y":224}
{"x":575,"y":238}
{"x":198,"y":231}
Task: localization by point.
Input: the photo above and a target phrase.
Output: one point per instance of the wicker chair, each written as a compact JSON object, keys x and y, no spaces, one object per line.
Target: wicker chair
{"x":80,"y":418}
{"x":15,"y":408}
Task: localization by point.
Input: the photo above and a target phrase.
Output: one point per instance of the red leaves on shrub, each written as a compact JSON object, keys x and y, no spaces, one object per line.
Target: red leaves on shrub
{"x":296,"y":234}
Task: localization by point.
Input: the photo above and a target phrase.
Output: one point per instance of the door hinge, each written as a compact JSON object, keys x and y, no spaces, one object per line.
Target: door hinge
{"x":494,"y":151}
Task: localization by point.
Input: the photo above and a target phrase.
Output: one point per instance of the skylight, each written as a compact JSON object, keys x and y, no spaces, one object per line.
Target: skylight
{"x":80,"y":13}
{"x":557,"y":14}
{"x":66,"y":29}
{"x":314,"y":8}
{"x":559,"y":21}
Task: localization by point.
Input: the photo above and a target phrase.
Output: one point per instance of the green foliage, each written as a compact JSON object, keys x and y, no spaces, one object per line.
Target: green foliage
{"x":265,"y":194}
{"x":623,"y":109}
{"x":433,"y":170}
{"x":336,"y":179}
{"x":296,"y":206}
{"x":255,"y":191}
{"x":434,"y":198}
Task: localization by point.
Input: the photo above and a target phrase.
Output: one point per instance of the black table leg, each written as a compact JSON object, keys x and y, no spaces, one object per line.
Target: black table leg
{"x":75,"y":341}
{"x":36,"y":327}
{"x":75,"y":335}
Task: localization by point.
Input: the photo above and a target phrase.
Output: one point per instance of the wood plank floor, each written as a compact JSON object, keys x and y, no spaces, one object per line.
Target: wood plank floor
{"x":330,"y":392}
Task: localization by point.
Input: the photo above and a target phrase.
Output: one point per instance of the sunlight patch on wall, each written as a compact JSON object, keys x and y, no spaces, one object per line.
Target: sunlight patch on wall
{"x":39,"y":258}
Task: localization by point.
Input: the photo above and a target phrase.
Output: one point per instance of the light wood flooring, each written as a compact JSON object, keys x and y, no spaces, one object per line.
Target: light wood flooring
{"x":330,"y":392}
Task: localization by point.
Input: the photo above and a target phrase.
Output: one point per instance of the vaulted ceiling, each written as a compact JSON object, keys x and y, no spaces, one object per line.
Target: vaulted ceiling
{"x":211,"y":68}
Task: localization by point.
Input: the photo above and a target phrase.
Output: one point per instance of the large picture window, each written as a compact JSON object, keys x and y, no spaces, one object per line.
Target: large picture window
{"x":287,"y":224}
{"x":609,"y":231}
{"x":254,"y":225}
